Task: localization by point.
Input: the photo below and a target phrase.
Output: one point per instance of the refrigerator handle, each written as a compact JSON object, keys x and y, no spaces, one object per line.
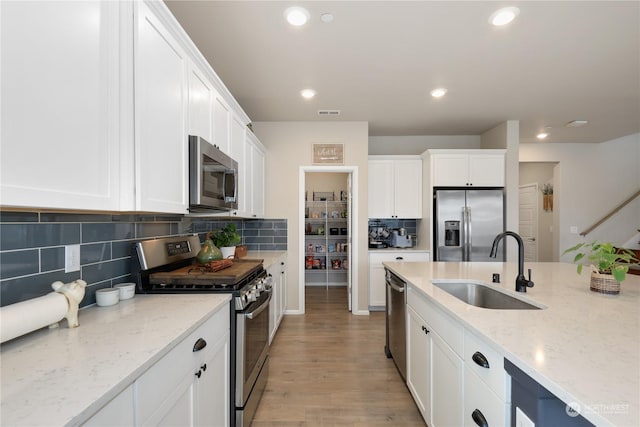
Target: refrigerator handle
{"x":469,"y":234}
{"x":465,"y":237}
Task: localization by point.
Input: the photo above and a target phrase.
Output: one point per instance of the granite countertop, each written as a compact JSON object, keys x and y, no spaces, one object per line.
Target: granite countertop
{"x":583,"y":347}
{"x":62,"y":376}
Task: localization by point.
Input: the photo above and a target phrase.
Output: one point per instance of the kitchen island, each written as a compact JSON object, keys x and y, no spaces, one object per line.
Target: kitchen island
{"x":583,"y":346}
{"x":63,"y":376}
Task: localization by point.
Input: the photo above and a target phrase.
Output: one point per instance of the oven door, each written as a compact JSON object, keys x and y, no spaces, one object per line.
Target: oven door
{"x":252,"y":345}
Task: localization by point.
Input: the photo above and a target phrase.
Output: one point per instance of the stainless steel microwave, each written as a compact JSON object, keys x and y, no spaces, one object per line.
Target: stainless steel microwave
{"x":213,"y":177}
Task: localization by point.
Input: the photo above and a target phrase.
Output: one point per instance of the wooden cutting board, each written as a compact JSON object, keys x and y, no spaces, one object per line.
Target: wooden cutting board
{"x":197,"y":275}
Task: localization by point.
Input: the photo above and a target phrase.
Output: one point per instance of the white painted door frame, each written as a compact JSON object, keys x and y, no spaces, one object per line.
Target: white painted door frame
{"x":353,"y":262}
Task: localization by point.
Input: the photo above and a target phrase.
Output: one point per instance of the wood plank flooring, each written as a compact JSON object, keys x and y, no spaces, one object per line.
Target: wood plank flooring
{"x":328,"y":368}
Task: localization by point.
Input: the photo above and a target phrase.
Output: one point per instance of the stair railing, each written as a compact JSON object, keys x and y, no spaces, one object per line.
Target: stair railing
{"x":610,"y":214}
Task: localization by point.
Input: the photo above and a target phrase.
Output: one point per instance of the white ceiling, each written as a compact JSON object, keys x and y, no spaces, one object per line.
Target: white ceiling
{"x":378,"y":61}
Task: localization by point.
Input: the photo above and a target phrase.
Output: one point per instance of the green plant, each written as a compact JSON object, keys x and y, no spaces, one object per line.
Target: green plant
{"x":547,"y":189}
{"x":225,"y":237}
{"x":605,"y":258}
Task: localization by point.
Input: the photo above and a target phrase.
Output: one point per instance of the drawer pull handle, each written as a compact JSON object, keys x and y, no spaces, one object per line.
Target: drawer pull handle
{"x":199,"y":345}
{"x":479,"y":419}
{"x":399,"y":258}
{"x":480,"y":359}
{"x":199,"y":374}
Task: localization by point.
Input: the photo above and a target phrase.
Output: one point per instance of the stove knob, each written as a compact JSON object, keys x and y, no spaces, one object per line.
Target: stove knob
{"x":252,"y":295}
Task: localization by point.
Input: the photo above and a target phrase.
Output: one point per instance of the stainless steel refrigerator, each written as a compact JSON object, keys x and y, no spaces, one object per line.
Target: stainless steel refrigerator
{"x":466,"y":222}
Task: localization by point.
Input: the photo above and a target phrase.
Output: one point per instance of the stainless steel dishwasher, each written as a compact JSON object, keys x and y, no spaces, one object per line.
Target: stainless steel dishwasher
{"x":396,"y":321}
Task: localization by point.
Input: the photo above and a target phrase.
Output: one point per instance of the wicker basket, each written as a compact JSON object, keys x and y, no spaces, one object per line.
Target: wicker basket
{"x":604,"y":283}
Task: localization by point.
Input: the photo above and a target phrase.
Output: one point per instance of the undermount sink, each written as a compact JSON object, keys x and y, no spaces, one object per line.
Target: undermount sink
{"x":480,"y":295}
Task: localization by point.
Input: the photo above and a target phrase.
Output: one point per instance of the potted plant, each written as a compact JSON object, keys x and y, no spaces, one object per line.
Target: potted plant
{"x":609,"y":265}
{"x":226,"y":238}
{"x":547,"y":199}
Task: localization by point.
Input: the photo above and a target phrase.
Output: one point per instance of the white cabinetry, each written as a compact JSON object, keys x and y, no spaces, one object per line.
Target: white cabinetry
{"x":465,"y":168}
{"x":277,"y":307}
{"x":201,"y":95}
{"x":377,"y":286}
{"x":255,"y":160}
{"x":395,"y":187}
{"x":434,"y":362}
{"x":189,"y":386}
{"x":221,"y":124}
{"x":61,"y":105}
{"x":161,"y":134}
{"x":118,"y":412}
{"x":487,"y":392}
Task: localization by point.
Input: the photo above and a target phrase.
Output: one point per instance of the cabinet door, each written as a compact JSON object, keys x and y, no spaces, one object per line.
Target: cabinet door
{"x":479,"y":398}
{"x":274,"y":272}
{"x":419,"y":363}
{"x":257,"y":179}
{"x":239,"y":154}
{"x":283,"y":287}
{"x":450,"y":170}
{"x":408,"y":188}
{"x":160,"y":118}
{"x":212,"y":399}
{"x":61,"y":102}
{"x":377,"y":287}
{"x":486,"y":170}
{"x":200,"y":104}
{"x":446,"y":371}
{"x":221,"y":124}
{"x":118,"y":412}
{"x":381,"y":188}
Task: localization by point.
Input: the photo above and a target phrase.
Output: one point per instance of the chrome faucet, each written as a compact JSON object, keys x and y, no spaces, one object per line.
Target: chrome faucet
{"x":521,"y":283}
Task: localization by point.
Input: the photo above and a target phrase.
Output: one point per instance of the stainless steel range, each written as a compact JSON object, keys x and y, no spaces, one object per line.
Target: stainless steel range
{"x":168,"y":265}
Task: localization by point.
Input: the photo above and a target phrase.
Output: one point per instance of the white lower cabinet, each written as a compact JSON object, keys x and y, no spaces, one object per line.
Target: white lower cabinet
{"x":377,"y":287}
{"x":455,"y":377}
{"x":188,"y":386}
{"x":118,"y":412}
{"x":434,"y":370}
{"x":277,"y":307}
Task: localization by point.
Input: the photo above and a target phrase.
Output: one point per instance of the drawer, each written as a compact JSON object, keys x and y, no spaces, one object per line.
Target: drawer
{"x":162,"y":380}
{"x":379,"y":258}
{"x":495,"y":377}
{"x":446,"y":326}
{"x":478,"y":397}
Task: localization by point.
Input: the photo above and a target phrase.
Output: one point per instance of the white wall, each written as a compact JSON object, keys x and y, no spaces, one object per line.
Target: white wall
{"x":418,"y":144}
{"x":289,"y":146}
{"x":591,"y":180}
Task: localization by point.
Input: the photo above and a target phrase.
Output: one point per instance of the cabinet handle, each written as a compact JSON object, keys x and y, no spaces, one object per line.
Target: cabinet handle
{"x":199,"y":374}
{"x":480,"y":359}
{"x":479,"y":419}
{"x":203,"y":367}
{"x":199,"y":345}
{"x":399,"y":258}
{"x":425,"y":330}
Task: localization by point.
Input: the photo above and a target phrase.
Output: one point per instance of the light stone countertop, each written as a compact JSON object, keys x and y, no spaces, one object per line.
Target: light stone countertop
{"x":268,"y":257}
{"x":62,"y":376}
{"x":584,"y":347}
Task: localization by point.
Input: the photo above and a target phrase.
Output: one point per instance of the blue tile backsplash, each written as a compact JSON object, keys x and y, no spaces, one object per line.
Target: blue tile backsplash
{"x":32,"y":246}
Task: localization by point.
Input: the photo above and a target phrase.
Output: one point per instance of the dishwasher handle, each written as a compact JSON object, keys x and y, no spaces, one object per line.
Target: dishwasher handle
{"x":395,"y":282}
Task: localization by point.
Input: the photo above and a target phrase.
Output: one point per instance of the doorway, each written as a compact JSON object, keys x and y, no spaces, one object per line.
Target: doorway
{"x":328,"y":224}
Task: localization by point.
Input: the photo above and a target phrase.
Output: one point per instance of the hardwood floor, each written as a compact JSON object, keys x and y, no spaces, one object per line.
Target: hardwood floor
{"x":328,"y":368}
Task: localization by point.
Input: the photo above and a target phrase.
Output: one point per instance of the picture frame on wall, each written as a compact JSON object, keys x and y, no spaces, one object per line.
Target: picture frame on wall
{"x":328,"y":154}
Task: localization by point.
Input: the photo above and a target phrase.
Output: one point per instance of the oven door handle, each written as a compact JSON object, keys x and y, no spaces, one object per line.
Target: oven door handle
{"x":251,"y":314}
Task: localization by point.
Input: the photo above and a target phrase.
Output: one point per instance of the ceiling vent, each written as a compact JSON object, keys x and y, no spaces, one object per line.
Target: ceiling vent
{"x":332,"y":113}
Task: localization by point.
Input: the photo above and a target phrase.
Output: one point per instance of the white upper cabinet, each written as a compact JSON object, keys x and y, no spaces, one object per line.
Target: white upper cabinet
{"x":61,"y":103}
{"x":466,"y":168}
{"x":395,"y":187}
{"x":256,"y":170}
{"x":201,"y":95}
{"x":161,"y":96}
{"x":239,"y":154}
{"x":221,"y":124}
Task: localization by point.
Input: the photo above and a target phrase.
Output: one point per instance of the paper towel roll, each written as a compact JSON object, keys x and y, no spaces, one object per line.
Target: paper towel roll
{"x":24,"y":317}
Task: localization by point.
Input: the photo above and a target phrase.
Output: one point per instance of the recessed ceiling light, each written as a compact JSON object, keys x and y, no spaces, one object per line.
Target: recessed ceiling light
{"x":326,"y":18}
{"x":297,"y":16}
{"x":439,"y":92}
{"x":542,"y":135}
{"x":576,"y":123}
{"x":308,"y":93}
{"x":503,"y":16}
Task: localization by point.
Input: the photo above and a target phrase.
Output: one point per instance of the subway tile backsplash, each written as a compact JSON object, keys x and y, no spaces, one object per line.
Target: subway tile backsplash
{"x":32,"y":246}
